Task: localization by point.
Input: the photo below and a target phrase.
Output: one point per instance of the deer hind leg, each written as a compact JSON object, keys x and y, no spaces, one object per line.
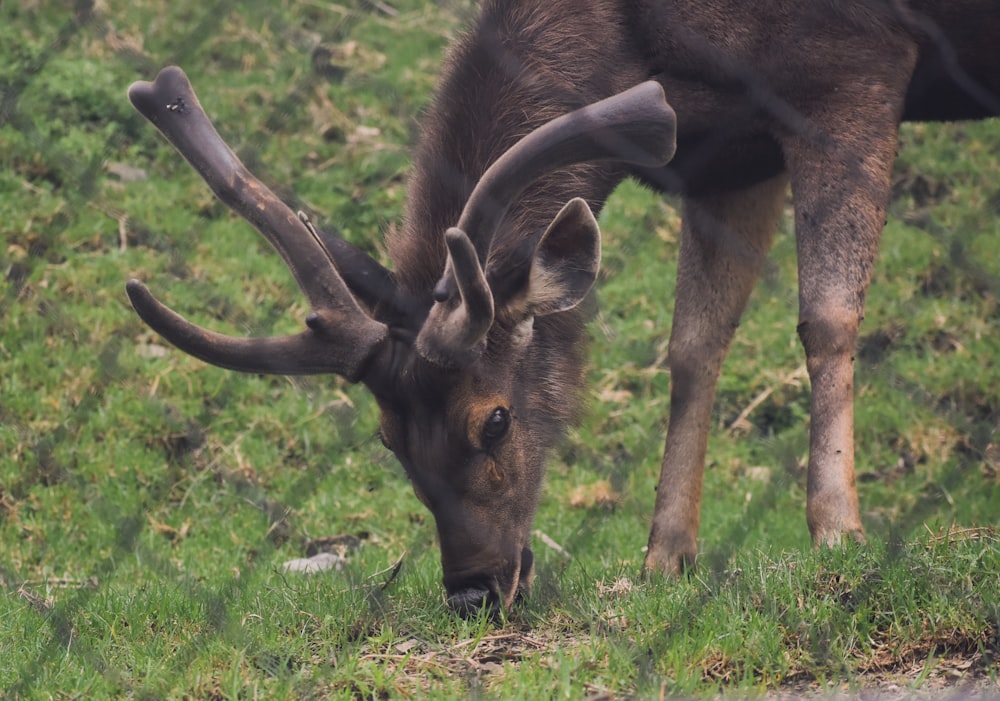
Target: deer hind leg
{"x":724,"y":241}
{"x":841,"y":189}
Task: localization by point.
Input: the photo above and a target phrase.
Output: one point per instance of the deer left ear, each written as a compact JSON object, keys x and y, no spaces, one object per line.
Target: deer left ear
{"x":566,"y":261}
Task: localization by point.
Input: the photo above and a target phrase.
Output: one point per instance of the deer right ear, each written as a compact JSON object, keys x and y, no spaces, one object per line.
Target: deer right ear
{"x":566,"y":261}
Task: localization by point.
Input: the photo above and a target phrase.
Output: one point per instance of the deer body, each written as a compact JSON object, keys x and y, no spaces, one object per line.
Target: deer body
{"x":474,"y":343}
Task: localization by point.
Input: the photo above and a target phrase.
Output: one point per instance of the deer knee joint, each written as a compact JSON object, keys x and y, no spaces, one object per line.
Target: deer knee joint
{"x":828,"y":336}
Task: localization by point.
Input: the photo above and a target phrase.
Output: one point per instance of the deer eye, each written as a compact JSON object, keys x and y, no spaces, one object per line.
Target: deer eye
{"x":496,"y":426}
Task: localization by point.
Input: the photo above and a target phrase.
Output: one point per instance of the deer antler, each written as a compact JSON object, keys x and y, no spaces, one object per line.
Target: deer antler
{"x":635,"y":126}
{"x":340,"y":336}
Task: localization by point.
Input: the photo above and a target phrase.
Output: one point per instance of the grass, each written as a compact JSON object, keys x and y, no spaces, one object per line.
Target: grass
{"x":147,"y":501}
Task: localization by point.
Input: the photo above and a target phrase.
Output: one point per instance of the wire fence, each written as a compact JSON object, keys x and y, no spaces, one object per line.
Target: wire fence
{"x":56,"y":182}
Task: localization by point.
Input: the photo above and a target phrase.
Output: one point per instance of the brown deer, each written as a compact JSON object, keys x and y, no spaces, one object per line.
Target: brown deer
{"x":473,"y":343}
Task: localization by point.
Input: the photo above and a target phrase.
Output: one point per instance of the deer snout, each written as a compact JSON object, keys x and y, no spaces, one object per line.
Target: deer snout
{"x":469,"y":595}
{"x":468,"y":601}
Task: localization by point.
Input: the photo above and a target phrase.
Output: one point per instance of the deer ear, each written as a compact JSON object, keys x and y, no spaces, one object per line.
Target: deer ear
{"x":566,"y":261}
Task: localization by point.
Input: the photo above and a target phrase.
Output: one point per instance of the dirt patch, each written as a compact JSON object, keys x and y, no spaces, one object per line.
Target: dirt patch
{"x":950,"y":676}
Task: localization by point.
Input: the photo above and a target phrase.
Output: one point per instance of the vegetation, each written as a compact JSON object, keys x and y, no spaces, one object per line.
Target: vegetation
{"x":148,"y":501}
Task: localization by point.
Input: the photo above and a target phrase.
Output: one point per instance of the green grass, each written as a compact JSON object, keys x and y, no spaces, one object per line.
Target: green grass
{"x":147,"y":501}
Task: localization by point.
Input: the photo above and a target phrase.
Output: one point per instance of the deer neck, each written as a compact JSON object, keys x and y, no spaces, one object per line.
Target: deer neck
{"x":501,"y":81}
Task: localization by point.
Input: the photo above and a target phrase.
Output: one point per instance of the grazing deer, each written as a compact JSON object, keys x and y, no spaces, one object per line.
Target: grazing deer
{"x":473,"y":343}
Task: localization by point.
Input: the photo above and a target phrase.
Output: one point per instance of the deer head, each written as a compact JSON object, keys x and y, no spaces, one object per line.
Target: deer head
{"x":456,"y":376}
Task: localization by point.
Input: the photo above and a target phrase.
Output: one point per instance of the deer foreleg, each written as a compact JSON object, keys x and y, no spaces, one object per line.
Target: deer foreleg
{"x":724,"y":241}
{"x":841,"y":193}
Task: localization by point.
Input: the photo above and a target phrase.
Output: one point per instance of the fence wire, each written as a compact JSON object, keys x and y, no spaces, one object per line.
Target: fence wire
{"x":62,"y":89}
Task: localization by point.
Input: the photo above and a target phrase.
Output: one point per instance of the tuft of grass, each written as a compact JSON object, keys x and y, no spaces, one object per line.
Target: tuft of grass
{"x":148,"y":502}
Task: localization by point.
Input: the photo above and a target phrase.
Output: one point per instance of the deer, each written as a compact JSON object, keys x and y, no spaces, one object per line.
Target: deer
{"x":473,"y":338}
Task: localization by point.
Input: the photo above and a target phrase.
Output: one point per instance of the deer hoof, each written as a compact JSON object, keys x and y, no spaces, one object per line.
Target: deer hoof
{"x":669,"y":564}
{"x":671,"y":552}
{"x":834,"y":537}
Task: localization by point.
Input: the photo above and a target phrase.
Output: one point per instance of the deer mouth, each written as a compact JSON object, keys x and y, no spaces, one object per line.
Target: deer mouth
{"x":477,"y":595}
{"x":473,"y":598}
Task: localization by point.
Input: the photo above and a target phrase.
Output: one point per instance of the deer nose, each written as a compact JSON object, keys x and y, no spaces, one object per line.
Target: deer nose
{"x":468,"y":601}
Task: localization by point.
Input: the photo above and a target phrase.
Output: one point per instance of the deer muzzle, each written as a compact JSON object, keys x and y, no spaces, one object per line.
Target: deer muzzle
{"x":468,"y":595}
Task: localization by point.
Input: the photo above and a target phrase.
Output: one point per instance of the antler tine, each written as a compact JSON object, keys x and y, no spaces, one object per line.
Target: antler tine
{"x":635,"y":126}
{"x":306,"y":353}
{"x":449,"y":333}
{"x":172,"y":106}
